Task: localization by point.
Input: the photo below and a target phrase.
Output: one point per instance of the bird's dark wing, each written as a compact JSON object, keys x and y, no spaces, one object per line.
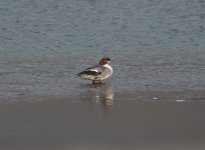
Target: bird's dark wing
{"x":95,"y":71}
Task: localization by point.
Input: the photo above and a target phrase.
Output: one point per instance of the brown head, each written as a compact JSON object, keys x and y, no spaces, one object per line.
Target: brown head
{"x":104,"y":61}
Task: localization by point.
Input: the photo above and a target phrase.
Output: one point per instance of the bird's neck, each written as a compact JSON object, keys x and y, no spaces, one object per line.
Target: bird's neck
{"x":109,"y":67}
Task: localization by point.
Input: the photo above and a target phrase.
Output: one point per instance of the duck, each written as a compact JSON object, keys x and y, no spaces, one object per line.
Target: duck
{"x":98,"y":73}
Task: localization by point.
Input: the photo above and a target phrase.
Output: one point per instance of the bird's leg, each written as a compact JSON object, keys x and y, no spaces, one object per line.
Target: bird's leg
{"x":93,"y":81}
{"x":100,"y":82}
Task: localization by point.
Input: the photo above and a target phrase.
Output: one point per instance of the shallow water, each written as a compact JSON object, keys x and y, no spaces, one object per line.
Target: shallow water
{"x":157,"y":48}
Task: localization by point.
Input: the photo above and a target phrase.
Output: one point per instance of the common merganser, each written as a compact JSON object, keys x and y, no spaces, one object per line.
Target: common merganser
{"x":98,"y":72}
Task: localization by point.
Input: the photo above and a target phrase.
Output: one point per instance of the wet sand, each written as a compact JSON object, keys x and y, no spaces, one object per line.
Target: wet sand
{"x":64,"y":125}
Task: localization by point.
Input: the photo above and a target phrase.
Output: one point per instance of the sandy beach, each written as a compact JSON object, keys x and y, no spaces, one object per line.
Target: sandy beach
{"x":62,"y":125}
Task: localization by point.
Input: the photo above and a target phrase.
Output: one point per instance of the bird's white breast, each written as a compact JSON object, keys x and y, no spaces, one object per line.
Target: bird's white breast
{"x":109,"y":67}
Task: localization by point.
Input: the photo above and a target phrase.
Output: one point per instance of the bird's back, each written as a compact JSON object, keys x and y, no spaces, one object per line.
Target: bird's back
{"x":96,"y":73}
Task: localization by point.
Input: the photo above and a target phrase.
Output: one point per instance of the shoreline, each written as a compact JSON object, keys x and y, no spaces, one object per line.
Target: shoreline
{"x":106,"y":91}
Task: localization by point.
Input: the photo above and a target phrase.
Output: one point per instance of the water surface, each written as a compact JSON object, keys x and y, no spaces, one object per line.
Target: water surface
{"x":156,"y":46}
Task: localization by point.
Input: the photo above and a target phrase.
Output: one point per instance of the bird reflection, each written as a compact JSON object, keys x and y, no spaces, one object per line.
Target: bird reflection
{"x":103,"y":93}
